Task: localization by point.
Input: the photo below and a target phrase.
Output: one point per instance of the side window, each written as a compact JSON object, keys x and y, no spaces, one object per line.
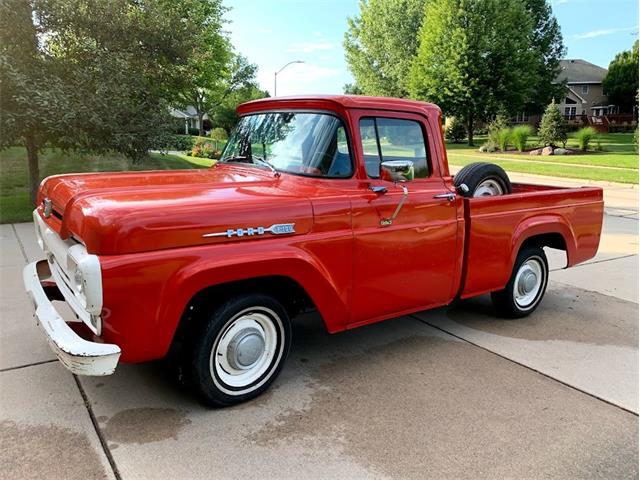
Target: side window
{"x":393,"y":139}
{"x":343,"y":145}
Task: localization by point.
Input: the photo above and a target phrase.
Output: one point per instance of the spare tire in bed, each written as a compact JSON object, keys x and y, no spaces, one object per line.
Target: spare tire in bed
{"x":482,"y":179}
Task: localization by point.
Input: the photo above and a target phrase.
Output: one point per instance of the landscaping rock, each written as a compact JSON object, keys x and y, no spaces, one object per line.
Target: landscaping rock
{"x":561,"y":151}
{"x":483,"y":148}
{"x":537,"y":151}
{"x":547,"y":151}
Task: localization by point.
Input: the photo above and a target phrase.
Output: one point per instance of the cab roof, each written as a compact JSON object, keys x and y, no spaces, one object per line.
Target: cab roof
{"x":344,"y":101}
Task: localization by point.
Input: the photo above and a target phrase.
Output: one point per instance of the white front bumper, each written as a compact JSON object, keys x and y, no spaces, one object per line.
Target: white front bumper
{"x":77,"y":354}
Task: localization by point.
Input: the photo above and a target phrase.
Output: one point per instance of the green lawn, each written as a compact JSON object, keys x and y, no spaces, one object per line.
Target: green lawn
{"x":14,"y":183}
{"x":619,"y":152}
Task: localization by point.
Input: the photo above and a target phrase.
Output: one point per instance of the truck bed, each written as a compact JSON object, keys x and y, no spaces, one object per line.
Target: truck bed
{"x":495,"y":228}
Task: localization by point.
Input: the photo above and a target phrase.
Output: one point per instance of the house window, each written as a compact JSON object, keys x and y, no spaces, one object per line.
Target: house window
{"x":522,"y":117}
{"x":585,"y":89}
{"x":570,"y":111}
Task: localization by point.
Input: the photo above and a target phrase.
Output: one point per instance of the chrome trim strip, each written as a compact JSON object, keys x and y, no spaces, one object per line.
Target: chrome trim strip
{"x":275,"y":229}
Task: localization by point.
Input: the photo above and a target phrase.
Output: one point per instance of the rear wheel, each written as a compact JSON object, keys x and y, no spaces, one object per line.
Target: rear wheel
{"x":482,"y":180}
{"x":527,"y":284}
{"x":241,"y":349}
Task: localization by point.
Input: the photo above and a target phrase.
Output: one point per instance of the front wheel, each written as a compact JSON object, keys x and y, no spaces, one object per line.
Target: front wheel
{"x":527,"y":284}
{"x":241,"y":349}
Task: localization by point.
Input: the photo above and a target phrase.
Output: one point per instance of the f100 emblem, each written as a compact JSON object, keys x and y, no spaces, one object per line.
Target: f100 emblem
{"x":275,"y":229}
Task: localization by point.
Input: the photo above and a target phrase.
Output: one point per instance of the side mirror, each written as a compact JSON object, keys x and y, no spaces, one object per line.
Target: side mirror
{"x":397,"y":171}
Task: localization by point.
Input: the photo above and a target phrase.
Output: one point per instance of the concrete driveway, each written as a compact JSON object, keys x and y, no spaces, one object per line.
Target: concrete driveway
{"x":449,"y":393}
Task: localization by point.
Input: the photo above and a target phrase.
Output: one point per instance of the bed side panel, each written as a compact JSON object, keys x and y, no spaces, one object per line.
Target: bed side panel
{"x":498,"y":226}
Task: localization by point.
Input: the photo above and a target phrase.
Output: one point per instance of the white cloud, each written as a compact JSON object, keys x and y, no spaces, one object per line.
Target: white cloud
{"x":311,"y":72}
{"x":299,"y":79}
{"x":602,"y":33}
{"x":310,"y":47}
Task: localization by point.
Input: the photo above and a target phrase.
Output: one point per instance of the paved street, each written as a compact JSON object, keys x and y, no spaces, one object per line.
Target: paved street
{"x":449,"y":393}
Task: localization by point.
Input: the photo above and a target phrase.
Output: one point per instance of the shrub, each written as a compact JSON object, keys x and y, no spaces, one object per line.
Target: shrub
{"x":181,"y":142}
{"x":194,"y":131}
{"x":584,"y":137}
{"x":520,"y":135}
{"x":504,"y":137}
{"x":635,"y":139}
{"x":456,"y":132}
{"x":499,"y":123}
{"x":488,"y":147}
{"x":204,"y":149}
{"x":553,"y":127}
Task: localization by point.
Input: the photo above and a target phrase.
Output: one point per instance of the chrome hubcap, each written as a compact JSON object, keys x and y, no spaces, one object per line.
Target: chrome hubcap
{"x":488,"y":188}
{"x":528,"y":282}
{"x":245,"y":348}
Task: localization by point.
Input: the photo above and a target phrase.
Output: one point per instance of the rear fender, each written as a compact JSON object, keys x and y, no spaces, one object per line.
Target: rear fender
{"x":540,"y":225}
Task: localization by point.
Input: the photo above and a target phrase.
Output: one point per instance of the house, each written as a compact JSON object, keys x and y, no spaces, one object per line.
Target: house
{"x":585,"y":103}
{"x":585,"y":96}
{"x":190,"y":117}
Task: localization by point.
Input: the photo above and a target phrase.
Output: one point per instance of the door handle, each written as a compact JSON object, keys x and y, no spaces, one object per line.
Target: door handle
{"x":449,"y":196}
{"x":378,"y":189}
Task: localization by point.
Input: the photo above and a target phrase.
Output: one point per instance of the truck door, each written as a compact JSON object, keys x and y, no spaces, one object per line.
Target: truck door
{"x":411,"y":263}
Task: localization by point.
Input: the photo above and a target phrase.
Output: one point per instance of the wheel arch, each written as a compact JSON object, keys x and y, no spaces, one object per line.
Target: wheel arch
{"x":544,"y":231}
{"x":296,"y":282}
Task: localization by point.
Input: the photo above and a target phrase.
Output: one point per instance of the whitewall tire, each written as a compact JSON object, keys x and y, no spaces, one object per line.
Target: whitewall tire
{"x":241,"y":349}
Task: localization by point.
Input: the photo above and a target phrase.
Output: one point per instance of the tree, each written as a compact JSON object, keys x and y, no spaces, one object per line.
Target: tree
{"x":213,"y":80}
{"x":621,"y":82}
{"x":218,"y":135}
{"x":548,"y":50}
{"x":352,"y":89}
{"x":553,"y":127}
{"x":72,"y":80}
{"x":456,"y":131}
{"x":474,"y":58}
{"x":225,"y":114}
{"x":380,"y":44}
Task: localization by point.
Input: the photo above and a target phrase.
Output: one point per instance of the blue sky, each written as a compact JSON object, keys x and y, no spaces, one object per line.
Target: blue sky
{"x":273,"y":32}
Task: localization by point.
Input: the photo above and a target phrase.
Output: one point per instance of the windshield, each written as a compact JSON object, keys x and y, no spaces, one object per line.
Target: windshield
{"x":312,"y":144}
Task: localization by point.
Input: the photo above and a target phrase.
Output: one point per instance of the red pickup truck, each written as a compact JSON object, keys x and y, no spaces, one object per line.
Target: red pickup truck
{"x":343,"y":204}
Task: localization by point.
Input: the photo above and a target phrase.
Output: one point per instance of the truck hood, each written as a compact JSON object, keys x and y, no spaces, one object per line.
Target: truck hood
{"x":115,"y":213}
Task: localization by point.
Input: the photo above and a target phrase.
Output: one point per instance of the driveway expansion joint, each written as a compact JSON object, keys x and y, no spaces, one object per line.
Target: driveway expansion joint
{"x":595,"y":261}
{"x":34,"y":364}
{"x":525,"y":366}
{"x":24,"y":253}
{"x":94,"y":421}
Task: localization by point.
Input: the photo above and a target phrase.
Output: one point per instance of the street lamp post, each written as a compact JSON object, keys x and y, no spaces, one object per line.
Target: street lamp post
{"x":275,"y":76}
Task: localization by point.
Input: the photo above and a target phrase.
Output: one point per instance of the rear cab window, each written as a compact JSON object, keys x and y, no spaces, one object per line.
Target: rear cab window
{"x":385,"y":139}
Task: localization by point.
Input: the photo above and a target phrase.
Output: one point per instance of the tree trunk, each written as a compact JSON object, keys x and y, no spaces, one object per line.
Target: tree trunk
{"x":200,"y":124}
{"x":34,"y":169}
{"x":470,"y":129}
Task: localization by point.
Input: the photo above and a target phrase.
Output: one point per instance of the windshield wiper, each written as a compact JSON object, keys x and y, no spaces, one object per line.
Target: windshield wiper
{"x":253,"y":160}
{"x":262,"y":161}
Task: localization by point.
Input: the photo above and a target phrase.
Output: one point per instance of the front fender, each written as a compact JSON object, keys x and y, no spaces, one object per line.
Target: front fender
{"x":329,"y":297}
